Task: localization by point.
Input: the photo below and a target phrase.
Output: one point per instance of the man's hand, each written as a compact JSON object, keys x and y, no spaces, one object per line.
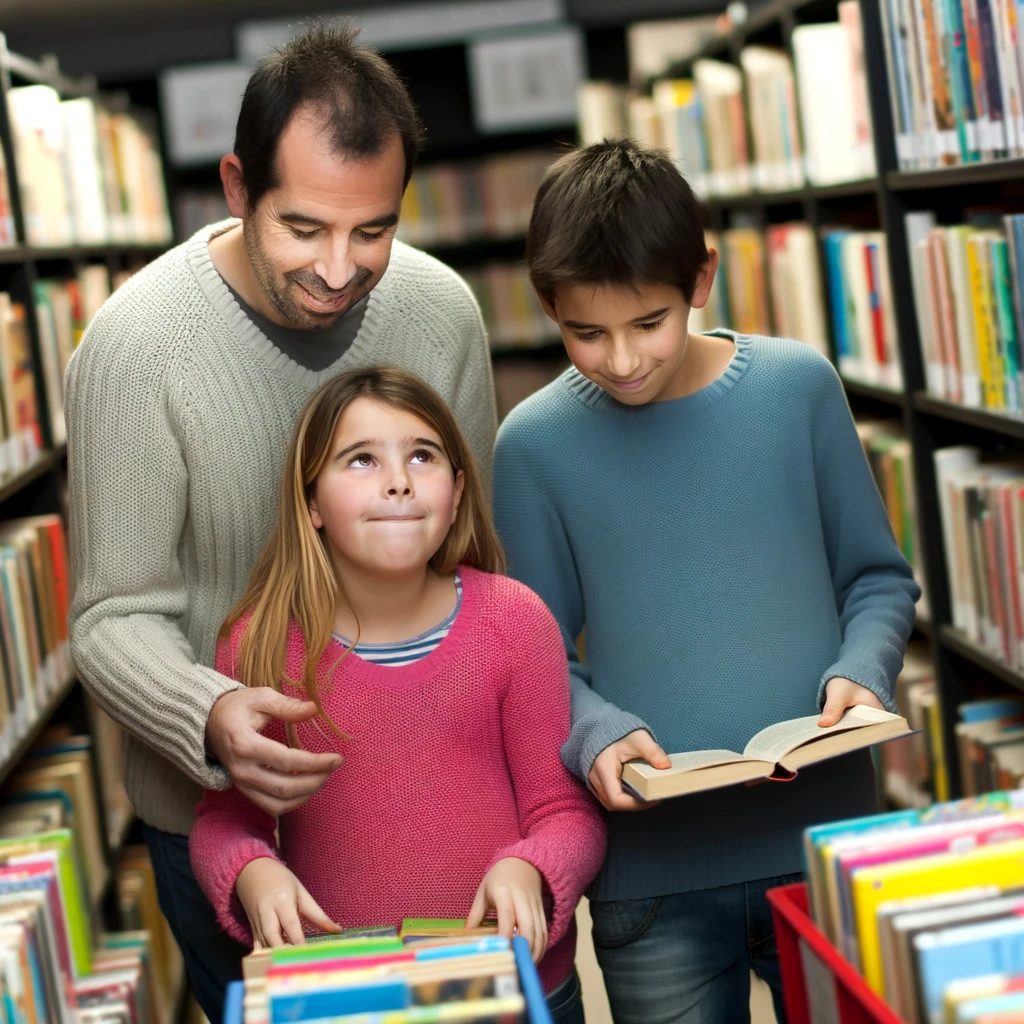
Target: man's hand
{"x":841,"y":694}
{"x":275,"y":902}
{"x":513,"y":888}
{"x":606,"y":775}
{"x":273,"y":776}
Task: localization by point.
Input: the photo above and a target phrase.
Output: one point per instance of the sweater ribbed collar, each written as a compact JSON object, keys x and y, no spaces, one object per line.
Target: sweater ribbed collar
{"x":594,"y":396}
{"x":197,"y":250}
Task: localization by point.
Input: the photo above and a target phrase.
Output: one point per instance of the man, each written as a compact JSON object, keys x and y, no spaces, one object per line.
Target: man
{"x":180,"y":403}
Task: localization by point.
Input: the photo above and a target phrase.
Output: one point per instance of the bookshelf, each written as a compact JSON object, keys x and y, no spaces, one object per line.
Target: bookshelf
{"x":963,"y":668}
{"x":39,"y":488}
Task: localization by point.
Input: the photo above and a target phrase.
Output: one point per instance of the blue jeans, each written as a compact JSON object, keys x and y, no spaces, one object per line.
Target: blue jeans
{"x":212,"y":957}
{"x":686,"y":958}
{"x":566,"y":1002}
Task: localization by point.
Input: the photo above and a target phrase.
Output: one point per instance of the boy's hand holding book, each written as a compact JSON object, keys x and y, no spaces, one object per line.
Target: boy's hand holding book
{"x":276,"y":902}
{"x":841,"y":694}
{"x":512,"y":888}
{"x":605,"y":776}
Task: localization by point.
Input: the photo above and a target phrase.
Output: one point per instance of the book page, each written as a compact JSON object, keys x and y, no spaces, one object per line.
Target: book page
{"x":773,"y":743}
{"x":688,"y":762}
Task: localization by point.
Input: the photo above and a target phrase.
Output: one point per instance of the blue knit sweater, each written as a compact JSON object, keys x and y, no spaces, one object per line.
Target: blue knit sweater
{"x":728,"y":554}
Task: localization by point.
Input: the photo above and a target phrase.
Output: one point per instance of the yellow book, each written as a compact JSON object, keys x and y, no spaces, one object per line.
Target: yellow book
{"x":982,"y":325}
{"x":1001,"y":865}
{"x":989,"y":301}
{"x":940,"y":774}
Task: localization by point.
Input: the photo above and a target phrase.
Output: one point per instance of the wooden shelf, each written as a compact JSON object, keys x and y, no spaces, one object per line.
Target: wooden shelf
{"x":988,"y":172}
{"x":953,"y":640}
{"x":74,"y":253}
{"x":38,"y":725}
{"x":923,"y":626}
{"x":764,"y":200}
{"x":984,"y":419}
{"x":897,"y":399}
{"x":42,"y":465}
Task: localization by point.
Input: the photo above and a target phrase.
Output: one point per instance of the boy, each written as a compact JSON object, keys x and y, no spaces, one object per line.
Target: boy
{"x":700,"y":503}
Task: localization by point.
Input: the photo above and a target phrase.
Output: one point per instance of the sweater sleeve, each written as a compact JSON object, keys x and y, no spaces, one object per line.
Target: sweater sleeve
{"x":128,"y":487}
{"x":229,"y":832}
{"x":473,"y":393}
{"x":539,"y":554}
{"x":874,"y":587}
{"x":563,"y":831}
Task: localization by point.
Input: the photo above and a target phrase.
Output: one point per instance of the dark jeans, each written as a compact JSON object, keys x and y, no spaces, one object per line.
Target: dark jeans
{"x":566,"y":1002}
{"x":212,"y":957}
{"x":686,"y":958}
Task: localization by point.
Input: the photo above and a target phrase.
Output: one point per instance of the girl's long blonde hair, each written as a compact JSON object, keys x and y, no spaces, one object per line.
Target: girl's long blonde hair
{"x":294,"y":579}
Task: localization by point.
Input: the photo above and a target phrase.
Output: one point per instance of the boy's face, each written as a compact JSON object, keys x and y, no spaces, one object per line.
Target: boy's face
{"x":630,"y":342}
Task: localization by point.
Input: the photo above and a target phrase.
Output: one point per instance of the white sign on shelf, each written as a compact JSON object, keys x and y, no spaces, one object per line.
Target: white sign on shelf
{"x":527,"y":80}
{"x":201,"y":104}
{"x":408,"y":26}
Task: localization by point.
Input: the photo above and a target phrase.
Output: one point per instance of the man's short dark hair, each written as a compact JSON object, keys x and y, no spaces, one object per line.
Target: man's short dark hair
{"x":357,"y":93}
{"x":615,"y":213}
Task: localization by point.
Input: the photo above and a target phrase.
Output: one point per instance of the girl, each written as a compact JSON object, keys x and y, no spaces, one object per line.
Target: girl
{"x":445,"y":684}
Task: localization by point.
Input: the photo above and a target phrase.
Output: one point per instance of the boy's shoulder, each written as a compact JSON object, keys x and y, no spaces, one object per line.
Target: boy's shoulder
{"x":789,"y":371}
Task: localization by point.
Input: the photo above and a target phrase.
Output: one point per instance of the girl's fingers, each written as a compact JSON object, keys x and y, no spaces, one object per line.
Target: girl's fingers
{"x":271,"y":928}
{"x":311,"y":911}
{"x":506,"y":913}
{"x":478,"y":911}
{"x":291,"y":926}
{"x":542,"y":926}
{"x":524,"y":920}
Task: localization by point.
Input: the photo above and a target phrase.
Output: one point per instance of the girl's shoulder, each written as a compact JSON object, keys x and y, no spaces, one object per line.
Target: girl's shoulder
{"x":504,"y":604}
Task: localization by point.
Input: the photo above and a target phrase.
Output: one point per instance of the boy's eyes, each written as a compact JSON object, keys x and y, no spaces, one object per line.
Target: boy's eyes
{"x":650,"y":325}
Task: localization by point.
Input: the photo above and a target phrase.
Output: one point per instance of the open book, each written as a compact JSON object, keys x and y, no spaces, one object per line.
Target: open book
{"x":775,"y":753}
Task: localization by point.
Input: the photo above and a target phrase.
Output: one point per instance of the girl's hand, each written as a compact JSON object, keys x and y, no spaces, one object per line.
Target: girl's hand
{"x":841,"y":694}
{"x":274,"y":900}
{"x":513,"y":888}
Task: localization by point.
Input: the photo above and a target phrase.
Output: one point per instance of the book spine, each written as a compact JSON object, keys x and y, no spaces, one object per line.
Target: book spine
{"x":990,"y":59}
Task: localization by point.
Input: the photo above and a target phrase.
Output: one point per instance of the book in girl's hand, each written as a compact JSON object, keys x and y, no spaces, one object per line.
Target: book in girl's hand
{"x":776,"y":753}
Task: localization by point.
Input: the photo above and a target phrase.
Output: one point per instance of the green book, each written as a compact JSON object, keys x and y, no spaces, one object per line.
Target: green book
{"x":337,"y":949}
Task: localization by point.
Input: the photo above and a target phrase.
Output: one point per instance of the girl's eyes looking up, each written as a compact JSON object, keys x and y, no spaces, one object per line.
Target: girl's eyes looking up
{"x":421,"y":456}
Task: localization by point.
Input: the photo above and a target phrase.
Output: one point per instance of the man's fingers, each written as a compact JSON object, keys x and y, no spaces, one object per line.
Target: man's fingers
{"x":288,"y":709}
{"x":314,"y":914}
{"x":280,"y":786}
{"x":290,"y":760}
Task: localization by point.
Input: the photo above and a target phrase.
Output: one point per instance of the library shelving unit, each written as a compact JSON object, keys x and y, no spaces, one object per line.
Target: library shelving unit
{"x":963,"y":669}
{"x":40,"y":488}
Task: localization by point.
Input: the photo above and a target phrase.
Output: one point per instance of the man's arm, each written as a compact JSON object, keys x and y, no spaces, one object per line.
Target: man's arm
{"x":874,"y":587}
{"x":128,"y":487}
{"x":540,"y":556}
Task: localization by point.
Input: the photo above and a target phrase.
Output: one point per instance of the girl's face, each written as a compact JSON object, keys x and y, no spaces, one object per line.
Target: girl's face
{"x":387,"y":495}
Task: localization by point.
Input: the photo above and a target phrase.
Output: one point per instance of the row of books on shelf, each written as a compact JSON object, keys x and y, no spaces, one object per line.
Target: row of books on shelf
{"x":86,"y":175}
{"x":770,"y":282}
{"x":929,"y":905}
{"x":982,"y":518}
{"x":956,"y":72}
{"x":510,"y":307}
{"x":446,"y":204}
{"x":424,"y":970}
{"x":772,"y":123}
{"x":969,"y":301}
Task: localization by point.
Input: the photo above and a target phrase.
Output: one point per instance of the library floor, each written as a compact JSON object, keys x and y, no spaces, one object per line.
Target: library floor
{"x":595,"y":1002}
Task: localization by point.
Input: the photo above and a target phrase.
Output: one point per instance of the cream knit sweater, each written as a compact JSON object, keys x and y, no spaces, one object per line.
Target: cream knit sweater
{"x":179,"y":413}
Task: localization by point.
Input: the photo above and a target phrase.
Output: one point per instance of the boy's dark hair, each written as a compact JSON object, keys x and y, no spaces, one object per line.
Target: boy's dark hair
{"x":615,"y":213}
{"x":355,"y":91}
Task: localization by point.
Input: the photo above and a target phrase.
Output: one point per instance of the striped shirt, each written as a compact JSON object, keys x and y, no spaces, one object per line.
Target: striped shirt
{"x":405,"y":652}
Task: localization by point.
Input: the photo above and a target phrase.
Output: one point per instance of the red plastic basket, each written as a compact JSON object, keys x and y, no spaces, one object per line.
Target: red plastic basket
{"x":818,"y":985}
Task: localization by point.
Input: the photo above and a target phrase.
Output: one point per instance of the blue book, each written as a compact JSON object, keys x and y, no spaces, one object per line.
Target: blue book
{"x":959,"y":66}
{"x":987,"y":710}
{"x":1006,"y":1002}
{"x":846,"y":344}
{"x":970,"y":951}
{"x":384,"y":993}
{"x":487,"y":944}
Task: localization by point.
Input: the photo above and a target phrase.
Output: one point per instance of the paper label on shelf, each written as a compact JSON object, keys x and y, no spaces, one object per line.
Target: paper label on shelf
{"x":952,"y":143}
{"x":971,"y":131}
{"x":906,"y":151}
{"x":953,"y":386}
{"x":820,"y":985}
{"x":972,"y":390}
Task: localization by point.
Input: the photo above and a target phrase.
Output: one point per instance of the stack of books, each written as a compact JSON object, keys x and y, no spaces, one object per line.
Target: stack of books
{"x":912,"y":769}
{"x":890,"y":456}
{"x":983,"y":534}
{"x":990,"y":744}
{"x":427,"y":971}
{"x":20,"y":435}
{"x":743,"y":265}
{"x":736,"y":129}
{"x":35,"y":660}
{"x":927,"y":904}
{"x":968,"y":291}
{"x":861,"y":304}
{"x":794,"y":274}
{"x":64,"y":309}
{"x":8,"y":237}
{"x":87,"y":176}
{"x":955,"y":71}
{"x":510,"y":307}
{"x":447,"y":204}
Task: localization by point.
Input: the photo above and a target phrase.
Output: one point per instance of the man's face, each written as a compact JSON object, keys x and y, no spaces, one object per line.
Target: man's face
{"x":321,"y":239}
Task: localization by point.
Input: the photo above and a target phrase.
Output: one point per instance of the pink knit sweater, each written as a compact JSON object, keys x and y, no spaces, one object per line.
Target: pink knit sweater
{"x":454,"y":763}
